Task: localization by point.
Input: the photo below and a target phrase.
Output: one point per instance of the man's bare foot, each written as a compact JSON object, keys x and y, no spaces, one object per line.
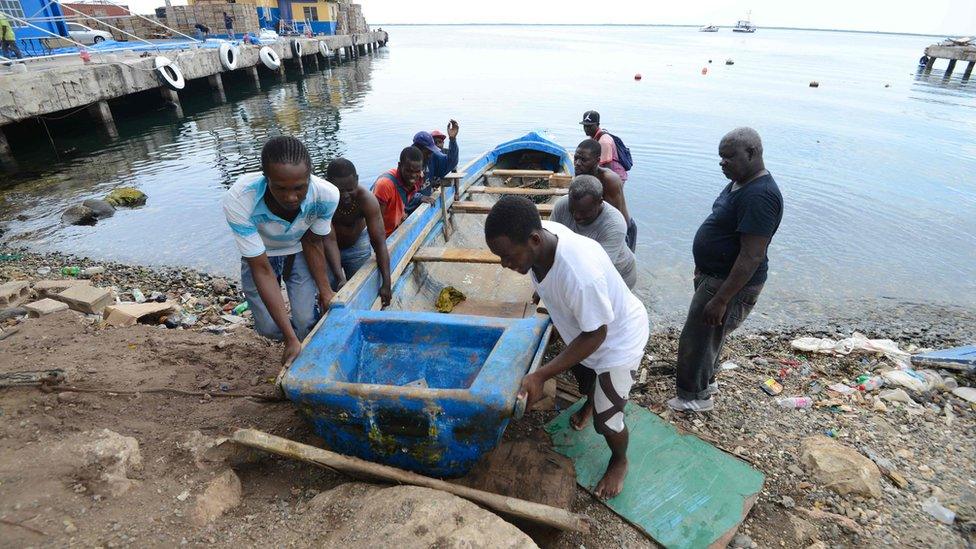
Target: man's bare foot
{"x":612,"y":482}
{"x":582,"y":416}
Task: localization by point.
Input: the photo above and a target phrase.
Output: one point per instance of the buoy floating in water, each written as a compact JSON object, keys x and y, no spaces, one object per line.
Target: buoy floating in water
{"x":814,"y":84}
{"x":704,"y":70}
{"x":638,"y":76}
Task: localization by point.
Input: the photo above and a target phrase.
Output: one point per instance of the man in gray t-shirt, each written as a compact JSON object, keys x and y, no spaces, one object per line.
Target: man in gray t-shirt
{"x":585,"y":213}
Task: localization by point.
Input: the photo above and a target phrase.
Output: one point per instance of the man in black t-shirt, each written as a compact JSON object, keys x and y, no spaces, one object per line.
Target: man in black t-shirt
{"x":730,"y":266}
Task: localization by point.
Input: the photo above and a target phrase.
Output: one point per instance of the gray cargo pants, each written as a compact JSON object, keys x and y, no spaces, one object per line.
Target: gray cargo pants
{"x":700,"y":346}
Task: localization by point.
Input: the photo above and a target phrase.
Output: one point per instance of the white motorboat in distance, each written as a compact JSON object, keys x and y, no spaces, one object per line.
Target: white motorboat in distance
{"x":708,"y":28}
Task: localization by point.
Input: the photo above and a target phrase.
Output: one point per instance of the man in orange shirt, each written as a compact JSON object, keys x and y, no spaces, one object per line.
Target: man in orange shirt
{"x":394,"y":188}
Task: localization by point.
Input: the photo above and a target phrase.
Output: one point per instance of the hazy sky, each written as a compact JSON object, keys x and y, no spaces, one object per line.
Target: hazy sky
{"x":942,"y":17}
{"x":928,"y":17}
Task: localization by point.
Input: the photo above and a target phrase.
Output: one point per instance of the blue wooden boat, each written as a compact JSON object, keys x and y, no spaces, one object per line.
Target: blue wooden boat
{"x":414,"y":388}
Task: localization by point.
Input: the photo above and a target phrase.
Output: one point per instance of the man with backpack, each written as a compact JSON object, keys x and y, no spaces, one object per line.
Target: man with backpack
{"x":613,"y":153}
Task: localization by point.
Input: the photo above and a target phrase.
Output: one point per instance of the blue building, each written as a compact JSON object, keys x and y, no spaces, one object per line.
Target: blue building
{"x":44,"y":14}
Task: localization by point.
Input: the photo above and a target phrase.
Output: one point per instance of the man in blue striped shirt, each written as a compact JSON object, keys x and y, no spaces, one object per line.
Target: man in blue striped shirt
{"x":282,"y":222}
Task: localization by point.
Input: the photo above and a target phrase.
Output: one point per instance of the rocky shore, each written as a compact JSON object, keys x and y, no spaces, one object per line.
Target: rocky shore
{"x":852,"y":470}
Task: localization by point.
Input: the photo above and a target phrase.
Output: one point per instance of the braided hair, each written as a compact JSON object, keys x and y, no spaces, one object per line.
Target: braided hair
{"x":285,"y":149}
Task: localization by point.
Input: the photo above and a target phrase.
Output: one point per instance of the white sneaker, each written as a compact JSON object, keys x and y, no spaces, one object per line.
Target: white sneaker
{"x":712,"y":389}
{"x":681,"y":405}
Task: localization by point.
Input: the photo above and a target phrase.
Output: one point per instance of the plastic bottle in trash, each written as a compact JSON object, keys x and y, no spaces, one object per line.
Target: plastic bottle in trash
{"x":938,"y":512}
{"x":871,"y":384}
{"x":240,"y":308}
{"x":794,"y":402}
{"x":138,"y":296}
{"x":70,"y":271}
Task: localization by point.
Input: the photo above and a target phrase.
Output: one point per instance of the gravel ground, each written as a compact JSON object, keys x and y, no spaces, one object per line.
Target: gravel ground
{"x":930,"y":443}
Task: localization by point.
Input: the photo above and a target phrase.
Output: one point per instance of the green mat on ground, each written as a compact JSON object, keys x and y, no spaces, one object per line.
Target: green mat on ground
{"x":680,"y":490}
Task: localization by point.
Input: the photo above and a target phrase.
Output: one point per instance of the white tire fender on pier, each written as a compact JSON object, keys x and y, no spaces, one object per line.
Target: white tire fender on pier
{"x":324,"y":49}
{"x":228,"y":56}
{"x":169,"y":73}
{"x":296,"y":48}
{"x":269,"y":58}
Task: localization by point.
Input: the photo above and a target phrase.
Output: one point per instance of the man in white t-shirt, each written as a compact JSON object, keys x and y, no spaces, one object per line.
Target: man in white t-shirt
{"x":282,"y":222}
{"x":604,"y":325}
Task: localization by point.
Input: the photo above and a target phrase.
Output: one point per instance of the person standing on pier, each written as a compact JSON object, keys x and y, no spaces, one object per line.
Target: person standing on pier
{"x":359,"y":228}
{"x":8,"y":39}
{"x":604,"y":325}
{"x":730,"y":266}
{"x":229,"y":25}
{"x":586,"y":161}
{"x":281,"y":219}
{"x":395,"y":188}
{"x":437,"y":164}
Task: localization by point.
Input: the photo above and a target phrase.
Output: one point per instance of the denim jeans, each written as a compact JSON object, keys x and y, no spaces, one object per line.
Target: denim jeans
{"x":302,"y":296}
{"x":353,"y":257}
{"x":700,"y":345}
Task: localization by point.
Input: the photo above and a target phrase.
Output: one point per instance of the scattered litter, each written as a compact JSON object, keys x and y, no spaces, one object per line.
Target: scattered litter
{"x":870,"y":384}
{"x":896,"y":395}
{"x":938,"y":512}
{"x":857,"y":342}
{"x":70,"y":271}
{"x":965,"y":393}
{"x":842,"y":389}
{"x":448,"y":299}
{"x":183,"y":495}
{"x":233,"y":319}
{"x":789,"y":362}
{"x":240,"y":308}
{"x":43,"y":271}
{"x":915,"y":380}
{"x":91,"y":271}
{"x":957,"y":358}
{"x":772,"y":387}
{"x":794,"y":402}
{"x":728,"y":365}
{"x":138,"y":296}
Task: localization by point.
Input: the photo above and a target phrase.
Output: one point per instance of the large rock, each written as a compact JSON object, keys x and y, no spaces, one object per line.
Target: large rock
{"x":410,"y":516}
{"x":101,"y":208}
{"x":126,"y":197}
{"x":840,"y":467}
{"x":79,"y":215}
{"x":103,"y":460}
{"x":215,"y":452}
{"x":221,"y":494}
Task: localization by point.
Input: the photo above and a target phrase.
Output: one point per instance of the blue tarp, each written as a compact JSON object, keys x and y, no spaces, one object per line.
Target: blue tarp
{"x":170,"y":45}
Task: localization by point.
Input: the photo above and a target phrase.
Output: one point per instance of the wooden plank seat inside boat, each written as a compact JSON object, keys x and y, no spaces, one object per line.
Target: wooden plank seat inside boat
{"x":465,"y":206}
{"x":456,"y":255}
{"x":479,"y":189}
{"x":518,"y":173}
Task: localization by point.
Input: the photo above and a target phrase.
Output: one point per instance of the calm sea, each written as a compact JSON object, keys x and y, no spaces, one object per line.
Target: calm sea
{"x":877,"y":165}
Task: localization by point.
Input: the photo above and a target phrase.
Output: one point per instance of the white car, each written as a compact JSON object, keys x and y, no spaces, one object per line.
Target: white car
{"x":85,"y":35}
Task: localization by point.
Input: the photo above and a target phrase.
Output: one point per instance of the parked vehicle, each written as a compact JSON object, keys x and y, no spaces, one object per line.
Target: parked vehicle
{"x":87,"y":35}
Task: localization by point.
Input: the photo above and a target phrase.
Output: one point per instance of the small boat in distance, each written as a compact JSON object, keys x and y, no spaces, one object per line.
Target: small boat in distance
{"x":745,"y":25}
{"x":708,"y":28}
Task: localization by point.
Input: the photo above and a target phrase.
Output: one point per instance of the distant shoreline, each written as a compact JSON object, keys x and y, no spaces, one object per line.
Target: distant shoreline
{"x":372,"y":25}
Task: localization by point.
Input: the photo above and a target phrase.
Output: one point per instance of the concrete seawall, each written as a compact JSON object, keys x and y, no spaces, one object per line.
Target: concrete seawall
{"x":60,"y":84}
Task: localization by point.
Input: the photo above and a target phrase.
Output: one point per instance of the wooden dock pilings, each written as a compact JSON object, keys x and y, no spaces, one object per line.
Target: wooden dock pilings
{"x":954,"y":51}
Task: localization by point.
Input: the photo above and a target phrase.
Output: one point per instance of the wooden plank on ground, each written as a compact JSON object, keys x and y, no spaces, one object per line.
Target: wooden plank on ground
{"x":519,"y":173}
{"x":456,"y":255}
{"x":535,"y":512}
{"x":464,"y":206}
{"x":481,"y":189}
{"x":680,"y":490}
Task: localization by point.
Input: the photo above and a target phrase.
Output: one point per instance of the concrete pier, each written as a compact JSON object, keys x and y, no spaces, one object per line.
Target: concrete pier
{"x":255,"y":77}
{"x":953,"y":51}
{"x":63,"y":84}
{"x":101,"y":112}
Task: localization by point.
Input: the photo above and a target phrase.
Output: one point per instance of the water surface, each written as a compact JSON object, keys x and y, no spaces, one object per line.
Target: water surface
{"x":877,"y":165}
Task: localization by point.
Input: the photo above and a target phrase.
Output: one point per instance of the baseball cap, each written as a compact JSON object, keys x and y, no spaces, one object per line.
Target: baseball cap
{"x":424,"y":140}
{"x":437,"y":133}
{"x":591,"y":117}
